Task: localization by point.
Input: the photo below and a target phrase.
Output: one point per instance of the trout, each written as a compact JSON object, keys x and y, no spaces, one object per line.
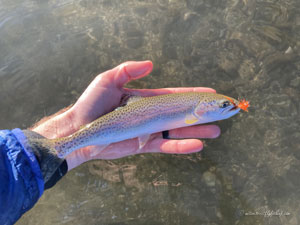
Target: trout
{"x":142,"y":116}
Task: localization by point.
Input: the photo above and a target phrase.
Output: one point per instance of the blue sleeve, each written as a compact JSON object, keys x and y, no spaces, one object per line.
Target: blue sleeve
{"x":21,"y":181}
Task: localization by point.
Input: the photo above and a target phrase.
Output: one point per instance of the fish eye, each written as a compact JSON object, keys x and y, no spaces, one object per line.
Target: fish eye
{"x":225,"y":104}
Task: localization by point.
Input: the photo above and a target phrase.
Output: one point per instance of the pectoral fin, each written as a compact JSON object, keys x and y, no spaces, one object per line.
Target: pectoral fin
{"x":143,"y":140}
{"x":190,"y":119}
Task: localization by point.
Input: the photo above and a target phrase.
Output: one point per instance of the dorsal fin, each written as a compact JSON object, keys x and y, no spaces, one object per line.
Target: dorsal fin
{"x":128,"y":99}
{"x":133,"y":98}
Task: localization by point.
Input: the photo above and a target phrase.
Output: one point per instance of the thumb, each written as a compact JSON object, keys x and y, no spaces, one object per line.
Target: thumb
{"x":128,"y":71}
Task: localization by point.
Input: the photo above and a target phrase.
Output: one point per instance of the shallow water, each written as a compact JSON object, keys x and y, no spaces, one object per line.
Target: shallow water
{"x":51,"y":50}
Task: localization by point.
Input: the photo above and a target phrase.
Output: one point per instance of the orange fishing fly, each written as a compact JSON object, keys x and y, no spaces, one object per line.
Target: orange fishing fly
{"x":243,"y":104}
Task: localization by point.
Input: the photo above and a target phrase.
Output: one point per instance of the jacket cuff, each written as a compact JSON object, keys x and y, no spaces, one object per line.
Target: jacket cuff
{"x":34,"y":164}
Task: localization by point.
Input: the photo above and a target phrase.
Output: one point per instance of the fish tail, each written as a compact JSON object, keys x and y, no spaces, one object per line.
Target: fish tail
{"x":60,"y":146}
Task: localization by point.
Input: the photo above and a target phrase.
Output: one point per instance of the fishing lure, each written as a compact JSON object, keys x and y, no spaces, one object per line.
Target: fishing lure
{"x":242,"y":104}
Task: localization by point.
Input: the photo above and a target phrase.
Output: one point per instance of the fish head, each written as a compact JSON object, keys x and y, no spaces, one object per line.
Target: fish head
{"x":215,"y":107}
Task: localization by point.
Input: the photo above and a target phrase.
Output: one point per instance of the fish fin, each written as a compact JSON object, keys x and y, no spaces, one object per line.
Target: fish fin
{"x":143,"y":140}
{"x":128,"y":99}
{"x":44,"y":152}
{"x":134,"y":98}
{"x":190,"y":119}
{"x":96,"y":149}
{"x":199,"y":110}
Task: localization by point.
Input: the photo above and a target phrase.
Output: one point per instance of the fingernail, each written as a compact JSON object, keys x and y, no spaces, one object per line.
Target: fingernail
{"x":138,"y":69}
{"x":196,"y":149}
{"x":195,"y":146}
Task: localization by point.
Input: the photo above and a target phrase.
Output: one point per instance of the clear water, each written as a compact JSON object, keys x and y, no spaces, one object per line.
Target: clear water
{"x":51,"y":50}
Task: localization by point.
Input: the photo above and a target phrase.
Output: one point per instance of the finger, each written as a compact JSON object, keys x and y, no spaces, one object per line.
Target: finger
{"x":175,"y":146}
{"x":126,"y":72}
{"x":162,"y":91}
{"x":202,"y":131}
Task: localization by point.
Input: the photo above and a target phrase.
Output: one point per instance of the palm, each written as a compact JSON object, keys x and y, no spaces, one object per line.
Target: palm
{"x":104,"y":94}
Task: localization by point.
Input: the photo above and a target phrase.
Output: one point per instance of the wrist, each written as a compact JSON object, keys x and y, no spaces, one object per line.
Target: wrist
{"x":58,"y":125}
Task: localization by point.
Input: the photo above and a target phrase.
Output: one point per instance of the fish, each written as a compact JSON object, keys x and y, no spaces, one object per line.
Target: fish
{"x":142,"y":116}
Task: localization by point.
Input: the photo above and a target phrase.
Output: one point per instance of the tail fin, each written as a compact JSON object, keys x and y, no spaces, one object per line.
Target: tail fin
{"x":53,"y":146}
{"x":45,"y":151}
{"x":36,"y":141}
{"x":61,"y":147}
{"x":57,"y":146}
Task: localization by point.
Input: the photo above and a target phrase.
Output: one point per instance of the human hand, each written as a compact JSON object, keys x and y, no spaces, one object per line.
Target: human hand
{"x":104,"y":95}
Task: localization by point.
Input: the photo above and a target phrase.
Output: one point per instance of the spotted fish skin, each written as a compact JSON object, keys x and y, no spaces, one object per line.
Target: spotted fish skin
{"x":146,"y":116}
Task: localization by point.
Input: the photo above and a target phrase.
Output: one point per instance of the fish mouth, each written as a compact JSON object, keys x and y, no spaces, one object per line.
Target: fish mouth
{"x":234,"y":104}
{"x":234,"y":107}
